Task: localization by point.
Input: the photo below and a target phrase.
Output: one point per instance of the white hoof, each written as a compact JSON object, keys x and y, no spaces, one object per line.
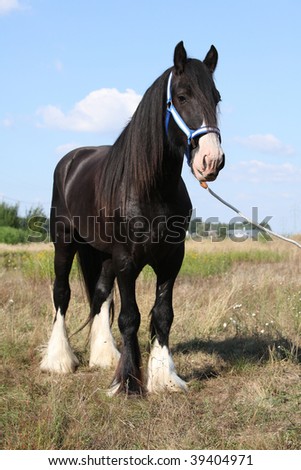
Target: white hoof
{"x":105,"y":355}
{"x":58,"y":356}
{"x":103,"y":351}
{"x":161,"y":373}
{"x":112,"y":391}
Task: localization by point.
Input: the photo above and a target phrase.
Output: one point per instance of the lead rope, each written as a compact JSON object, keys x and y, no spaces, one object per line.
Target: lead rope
{"x":260,"y":227}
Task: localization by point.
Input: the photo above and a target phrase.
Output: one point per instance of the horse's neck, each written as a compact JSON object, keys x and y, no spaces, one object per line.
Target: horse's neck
{"x":172,"y":169}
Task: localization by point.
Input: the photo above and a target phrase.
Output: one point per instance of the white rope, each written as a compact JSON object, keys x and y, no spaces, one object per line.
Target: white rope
{"x":260,"y":227}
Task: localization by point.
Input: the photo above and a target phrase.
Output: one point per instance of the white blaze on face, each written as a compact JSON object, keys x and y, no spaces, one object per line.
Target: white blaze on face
{"x":207,"y":157}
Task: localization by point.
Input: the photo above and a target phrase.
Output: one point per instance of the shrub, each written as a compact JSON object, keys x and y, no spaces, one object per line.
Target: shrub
{"x":12,"y":235}
{"x":9,"y":215}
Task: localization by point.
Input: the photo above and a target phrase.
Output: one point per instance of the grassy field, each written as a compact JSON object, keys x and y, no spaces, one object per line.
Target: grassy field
{"x":236,"y":339}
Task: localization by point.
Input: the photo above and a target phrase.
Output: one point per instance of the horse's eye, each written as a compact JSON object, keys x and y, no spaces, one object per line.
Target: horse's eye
{"x":182,"y":99}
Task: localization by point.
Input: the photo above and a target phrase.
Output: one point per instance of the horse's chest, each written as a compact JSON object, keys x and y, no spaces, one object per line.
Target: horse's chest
{"x":157,"y":229}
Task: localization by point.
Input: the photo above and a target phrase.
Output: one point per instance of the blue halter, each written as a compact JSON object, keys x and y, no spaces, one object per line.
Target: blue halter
{"x":190,"y":133}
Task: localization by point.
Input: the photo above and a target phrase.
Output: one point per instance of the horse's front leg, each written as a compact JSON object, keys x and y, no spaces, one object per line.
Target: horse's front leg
{"x":103,"y":351}
{"x":58,"y":355}
{"x":161,"y":373}
{"x":128,"y":375}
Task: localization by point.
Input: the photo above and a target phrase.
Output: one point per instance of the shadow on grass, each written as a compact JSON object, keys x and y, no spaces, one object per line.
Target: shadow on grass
{"x":239,"y":352}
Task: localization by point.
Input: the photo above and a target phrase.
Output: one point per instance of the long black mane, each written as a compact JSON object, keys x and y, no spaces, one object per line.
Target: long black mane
{"x":134,"y":162}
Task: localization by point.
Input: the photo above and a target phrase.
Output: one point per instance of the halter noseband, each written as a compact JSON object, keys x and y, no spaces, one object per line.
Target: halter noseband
{"x":190,"y":133}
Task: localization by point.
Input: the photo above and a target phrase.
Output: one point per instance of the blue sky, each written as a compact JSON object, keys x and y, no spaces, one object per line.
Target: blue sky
{"x":73,"y":71}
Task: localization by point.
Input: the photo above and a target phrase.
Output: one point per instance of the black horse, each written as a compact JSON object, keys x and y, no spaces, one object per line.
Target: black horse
{"x":124,"y":206}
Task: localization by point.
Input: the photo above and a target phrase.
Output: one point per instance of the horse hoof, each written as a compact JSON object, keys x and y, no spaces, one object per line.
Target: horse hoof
{"x":162,"y":374}
{"x":122,"y":388}
{"x":58,"y":355}
{"x":55,"y":364}
{"x":171,"y":384}
{"x":105,"y":360}
{"x":113,"y":390}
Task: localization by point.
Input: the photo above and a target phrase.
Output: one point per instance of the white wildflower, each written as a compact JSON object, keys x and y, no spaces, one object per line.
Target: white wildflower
{"x":237,"y":306}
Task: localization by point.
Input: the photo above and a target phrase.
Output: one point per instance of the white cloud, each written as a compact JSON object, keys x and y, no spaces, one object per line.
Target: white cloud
{"x":6,"y":6}
{"x":103,"y":110}
{"x":266,"y":143}
{"x":257,"y":171}
{"x":7,"y":122}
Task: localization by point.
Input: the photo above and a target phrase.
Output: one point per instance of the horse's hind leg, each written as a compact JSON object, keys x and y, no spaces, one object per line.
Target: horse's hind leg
{"x":103,"y":351}
{"x":161,"y":373}
{"x":128,"y":375}
{"x":58,"y":356}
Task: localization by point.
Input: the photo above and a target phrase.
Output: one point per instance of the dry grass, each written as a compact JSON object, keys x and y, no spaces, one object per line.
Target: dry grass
{"x":235,"y":339}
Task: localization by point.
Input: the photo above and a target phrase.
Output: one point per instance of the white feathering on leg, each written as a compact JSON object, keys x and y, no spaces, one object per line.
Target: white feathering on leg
{"x":58,"y":356}
{"x":113,"y":389}
{"x":103,"y":349}
{"x":161,"y":373}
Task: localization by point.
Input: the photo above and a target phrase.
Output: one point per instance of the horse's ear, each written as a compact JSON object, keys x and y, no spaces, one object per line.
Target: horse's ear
{"x":211,"y":59}
{"x":180,"y":58}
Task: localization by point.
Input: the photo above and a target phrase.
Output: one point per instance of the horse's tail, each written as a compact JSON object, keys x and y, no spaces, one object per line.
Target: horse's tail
{"x":90,"y":261}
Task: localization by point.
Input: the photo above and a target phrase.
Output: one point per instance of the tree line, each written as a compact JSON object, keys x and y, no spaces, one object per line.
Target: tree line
{"x":15,"y":228}
{"x":219,"y":230}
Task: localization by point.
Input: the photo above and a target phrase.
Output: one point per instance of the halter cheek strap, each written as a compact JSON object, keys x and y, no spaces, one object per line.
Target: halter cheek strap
{"x":190,"y":133}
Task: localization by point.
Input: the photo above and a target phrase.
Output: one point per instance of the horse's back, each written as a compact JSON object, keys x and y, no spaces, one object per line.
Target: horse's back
{"x":73,"y":182}
{"x":76,"y":161}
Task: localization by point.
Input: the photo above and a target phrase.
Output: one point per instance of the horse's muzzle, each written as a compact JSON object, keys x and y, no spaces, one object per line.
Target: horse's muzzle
{"x":210,"y":172}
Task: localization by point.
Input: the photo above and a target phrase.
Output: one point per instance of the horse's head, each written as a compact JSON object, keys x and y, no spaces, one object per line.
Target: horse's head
{"x":192,"y":101}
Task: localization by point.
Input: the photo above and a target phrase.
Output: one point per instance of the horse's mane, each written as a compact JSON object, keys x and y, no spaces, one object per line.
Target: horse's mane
{"x":134,"y":162}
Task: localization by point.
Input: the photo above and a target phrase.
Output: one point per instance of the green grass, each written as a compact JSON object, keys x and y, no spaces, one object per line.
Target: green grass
{"x":39,"y":264}
{"x":235,"y":339}
{"x":33,"y":265}
{"x":210,"y":264}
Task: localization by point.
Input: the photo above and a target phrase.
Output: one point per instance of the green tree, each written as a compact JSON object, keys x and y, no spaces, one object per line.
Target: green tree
{"x":9,"y":215}
{"x":33,"y":227}
{"x":37,"y":223}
